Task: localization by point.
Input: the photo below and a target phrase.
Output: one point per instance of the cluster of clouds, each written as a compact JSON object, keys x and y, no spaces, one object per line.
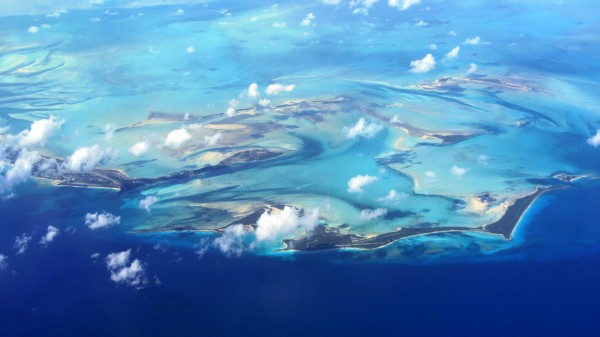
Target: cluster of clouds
{"x":101,"y":220}
{"x":362,"y":129}
{"x":87,"y":158}
{"x":272,"y":225}
{"x":363,"y":6}
{"x":122,"y":271}
{"x":22,"y":241}
{"x":179,"y":138}
{"x":19,"y":159}
{"x":372,"y":214}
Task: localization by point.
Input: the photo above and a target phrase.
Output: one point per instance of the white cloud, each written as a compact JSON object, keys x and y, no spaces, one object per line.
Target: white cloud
{"x":109,"y":130}
{"x":232,"y":106}
{"x":274,"y":89}
{"x":308,"y":20}
{"x":279,"y":25}
{"x":180,"y":12}
{"x":19,"y":172}
{"x":51,"y":233}
{"x":472,"y":68}
{"x":482,"y":159}
{"x":231,"y":242}
{"x":403,"y":4}
{"x":40,"y":131}
{"x":85,"y":159}
{"x":453,"y":53}
{"x":372,"y":214}
{"x":355,"y":184}
{"x":21,"y":243}
{"x":101,"y":220}
{"x":3,"y":263}
{"x":362,"y":129}
{"x":430,"y":177}
{"x":393,"y":197}
{"x":422,"y":23}
{"x":473,"y":41}
{"x":121,"y":271}
{"x":452,"y":33}
{"x":433,"y":46}
{"x":595,"y":139}
{"x":331,"y":2}
{"x":147,"y":202}
{"x":139,"y":148}
{"x":213,"y":140}
{"x":33,"y":29}
{"x":423,"y":65}
{"x":458,"y":171}
{"x":273,"y":225}
{"x":177,"y":138}
{"x":253,"y":90}
{"x":264,"y":102}
{"x":190,"y":49}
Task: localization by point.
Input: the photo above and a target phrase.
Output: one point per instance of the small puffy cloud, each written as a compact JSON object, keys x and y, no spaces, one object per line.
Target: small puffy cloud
{"x":40,"y":131}
{"x":109,"y":130}
{"x":372,"y":214}
{"x":458,"y":171}
{"x":482,"y":159}
{"x":423,"y":65}
{"x":253,"y":90}
{"x":139,"y":148}
{"x":51,"y":233}
{"x":21,"y":243}
{"x":232,"y":241}
{"x":393,"y":197}
{"x":276,"y":88}
{"x":3,"y":262}
{"x":273,"y":225}
{"x":422,"y":23}
{"x":147,"y":202}
{"x":355,"y":184}
{"x":213,"y":140}
{"x":308,"y":20}
{"x":403,"y":4}
{"x":18,"y":172}
{"x":473,"y":41}
{"x":472,"y":68}
{"x":433,"y":46}
{"x":331,"y":2}
{"x":453,"y":53}
{"x":232,"y":106}
{"x":452,"y":33}
{"x":85,"y":159}
{"x":121,"y":271}
{"x":177,"y":138}
{"x":190,"y":49}
{"x":101,"y":220}
{"x":430,"y":177}
{"x":33,"y":29}
{"x":180,"y":12}
{"x":362,"y":129}
{"x":279,"y":25}
{"x":264,"y":102}
{"x":595,"y":139}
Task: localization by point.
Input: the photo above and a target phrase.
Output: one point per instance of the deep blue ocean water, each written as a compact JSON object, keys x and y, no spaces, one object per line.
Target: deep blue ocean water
{"x":548,"y":287}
